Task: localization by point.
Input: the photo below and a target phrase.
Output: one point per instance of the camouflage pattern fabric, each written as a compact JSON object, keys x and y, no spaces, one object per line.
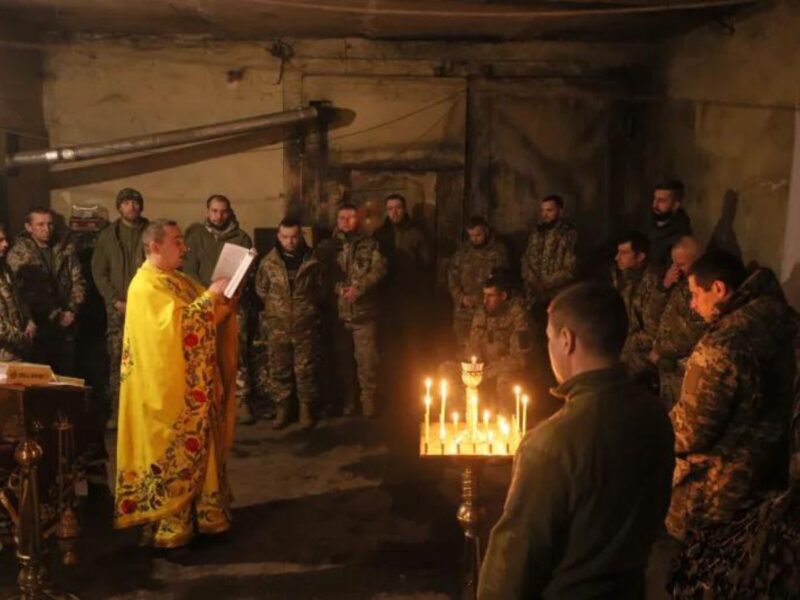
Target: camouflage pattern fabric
{"x":644,"y":301}
{"x":468,"y":270}
{"x":290,"y":326}
{"x":549,"y":263}
{"x":731,"y":421}
{"x":679,"y":330}
{"x":14,"y":318}
{"x":50,"y":288}
{"x":357,"y":359}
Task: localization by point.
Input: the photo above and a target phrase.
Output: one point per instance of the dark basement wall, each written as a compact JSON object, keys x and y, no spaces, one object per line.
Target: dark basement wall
{"x":725,"y":124}
{"x":21,"y":124}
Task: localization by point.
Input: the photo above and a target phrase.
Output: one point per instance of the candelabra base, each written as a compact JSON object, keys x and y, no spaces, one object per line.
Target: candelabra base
{"x":469,"y":516}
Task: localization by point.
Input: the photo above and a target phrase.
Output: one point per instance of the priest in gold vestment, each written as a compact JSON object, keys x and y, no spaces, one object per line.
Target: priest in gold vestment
{"x":177,"y":403}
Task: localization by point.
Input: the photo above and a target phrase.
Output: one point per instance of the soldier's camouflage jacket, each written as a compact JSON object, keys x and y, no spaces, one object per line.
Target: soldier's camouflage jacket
{"x":47,"y":290}
{"x":14,"y":317}
{"x":679,"y":328}
{"x":469,"y":269}
{"x":644,"y":299}
{"x":731,"y":421}
{"x":353,"y":260}
{"x":501,"y":340}
{"x":549,"y":262}
{"x":290,"y":306}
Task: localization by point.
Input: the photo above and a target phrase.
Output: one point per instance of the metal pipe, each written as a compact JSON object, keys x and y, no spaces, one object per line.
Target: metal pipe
{"x":160,"y":140}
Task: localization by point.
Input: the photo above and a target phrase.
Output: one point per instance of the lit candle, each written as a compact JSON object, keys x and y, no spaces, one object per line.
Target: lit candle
{"x":490,"y":436}
{"x":474,"y":360}
{"x":505,"y":430}
{"x":428,"y":384}
{"x":525,"y":400}
{"x":517,"y":394}
{"x":455,"y":421}
{"x":443,"y":389}
{"x":486,"y":417}
{"x":427,"y":417}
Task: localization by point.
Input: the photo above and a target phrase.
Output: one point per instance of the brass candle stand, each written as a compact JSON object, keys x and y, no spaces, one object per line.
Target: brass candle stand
{"x":471,"y":443}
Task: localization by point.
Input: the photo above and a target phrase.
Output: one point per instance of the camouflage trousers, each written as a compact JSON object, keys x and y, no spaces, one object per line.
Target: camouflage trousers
{"x":293,"y":358}
{"x":115,"y":326}
{"x":243,"y":371}
{"x":670,"y":382}
{"x":357,"y":358}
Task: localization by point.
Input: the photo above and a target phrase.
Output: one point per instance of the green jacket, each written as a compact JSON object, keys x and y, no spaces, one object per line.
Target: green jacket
{"x":354,"y":260}
{"x":588,"y":495}
{"x":205,"y":243}
{"x":48,"y":290}
{"x":110,"y":272}
{"x":14,"y":317}
{"x":290,"y":306}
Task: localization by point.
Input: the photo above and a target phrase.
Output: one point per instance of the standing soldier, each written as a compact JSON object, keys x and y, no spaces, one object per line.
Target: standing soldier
{"x":638,"y":283}
{"x":469,"y":269}
{"x":680,"y":328}
{"x":549,"y":263}
{"x":669,"y":222}
{"x":17,"y":329}
{"x":117,"y":256}
{"x":51,"y":284}
{"x":289,"y":281}
{"x":356,"y":266}
{"x":732,"y":418}
{"x":406,"y":290}
{"x":205,"y":242}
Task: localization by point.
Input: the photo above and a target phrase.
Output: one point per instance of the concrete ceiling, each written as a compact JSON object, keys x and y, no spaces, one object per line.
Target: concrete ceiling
{"x":376,"y":19}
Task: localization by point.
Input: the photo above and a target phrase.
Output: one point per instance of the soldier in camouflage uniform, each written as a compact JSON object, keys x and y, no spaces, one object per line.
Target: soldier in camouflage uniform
{"x":204,"y":242}
{"x":17,"y":329}
{"x":289,"y":281}
{"x":117,"y":256}
{"x":468,"y":270}
{"x":354,"y":266}
{"x":731,"y":421}
{"x":549,"y":263}
{"x":500,"y":338}
{"x":639,"y":284}
{"x":680,"y":328}
{"x":50,"y":282}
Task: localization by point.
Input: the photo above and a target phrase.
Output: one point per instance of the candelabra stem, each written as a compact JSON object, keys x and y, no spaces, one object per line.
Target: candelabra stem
{"x":469,"y":516}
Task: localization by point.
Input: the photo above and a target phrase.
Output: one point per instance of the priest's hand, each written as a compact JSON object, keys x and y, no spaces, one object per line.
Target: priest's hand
{"x":217,"y":288}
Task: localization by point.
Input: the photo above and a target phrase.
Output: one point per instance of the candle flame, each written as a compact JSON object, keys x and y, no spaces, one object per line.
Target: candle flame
{"x":525,"y":399}
{"x":427,"y":401}
{"x":517,"y":390}
{"x":455,"y":418}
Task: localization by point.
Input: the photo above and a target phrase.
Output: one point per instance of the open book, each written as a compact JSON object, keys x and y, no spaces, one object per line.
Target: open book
{"x":233,"y":263}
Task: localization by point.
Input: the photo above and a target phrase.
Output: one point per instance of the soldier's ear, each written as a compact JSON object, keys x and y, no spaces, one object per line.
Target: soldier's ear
{"x":566,"y":340}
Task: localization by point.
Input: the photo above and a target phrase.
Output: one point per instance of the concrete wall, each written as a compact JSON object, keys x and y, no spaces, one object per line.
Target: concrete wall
{"x":725,"y":125}
{"x":409,"y":101}
{"x":21,"y":124}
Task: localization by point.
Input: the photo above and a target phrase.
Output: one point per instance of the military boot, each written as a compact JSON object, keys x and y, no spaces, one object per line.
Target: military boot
{"x":282,"y":417}
{"x":307,"y":419}
{"x":244,"y":414}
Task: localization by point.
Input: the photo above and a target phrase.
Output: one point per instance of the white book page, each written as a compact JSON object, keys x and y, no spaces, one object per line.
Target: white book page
{"x":233,"y":263}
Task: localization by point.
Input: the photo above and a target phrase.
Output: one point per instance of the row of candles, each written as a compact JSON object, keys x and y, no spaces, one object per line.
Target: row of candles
{"x":519,"y":420}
